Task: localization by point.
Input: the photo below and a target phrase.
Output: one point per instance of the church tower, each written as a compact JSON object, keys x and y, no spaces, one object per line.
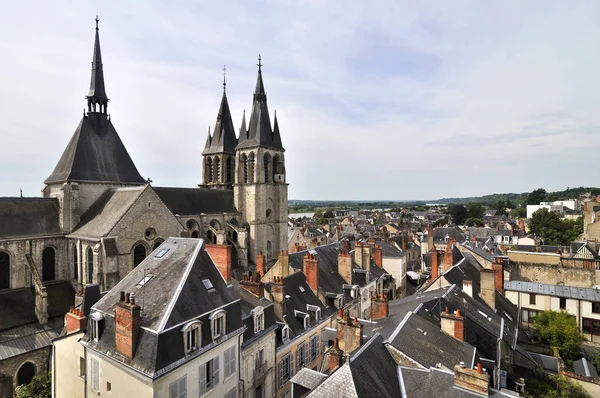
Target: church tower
{"x":219,"y":151}
{"x":260,"y":190}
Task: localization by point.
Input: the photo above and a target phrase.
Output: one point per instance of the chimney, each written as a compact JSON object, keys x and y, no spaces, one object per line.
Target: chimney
{"x":448,"y":259}
{"x":468,"y":287}
{"x":403,"y":243}
{"x":379,"y":307}
{"x":453,"y":324}
{"x":345,"y":265}
{"x":499,"y":276}
{"x":434,"y":263}
{"x":358,"y":254}
{"x":296,"y":247}
{"x":278,"y":296}
{"x":471,"y":379}
{"x":311,"y":271}
{"x":378,"y":255}
{"x":253,"y":284}
{"x":488,"y":286}
{"x":336,"y":356}
{"x":260,"y":264}
{"x":75,"y":320}
{"x":429,"y":238}
{"x":221,"y":256}
{"x":366,"y":257}
{"x":349,"y":332}
{"x":127,"y":325}
{"x":522,"y":226}
{"x":283,"y":264}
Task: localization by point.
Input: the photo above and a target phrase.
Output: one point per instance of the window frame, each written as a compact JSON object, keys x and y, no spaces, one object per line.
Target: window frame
{"x":229,"y":362}
{"x":285,"y":369}
{"x":182,"y":381}
{"x":218,"y":324}
{"x":192,"y":333}
{"x":562,"y":303}
{"x":595,"y":307}
{"x":259,"y":319}
{"x":532,"y":298}
{"x":209,"y":369}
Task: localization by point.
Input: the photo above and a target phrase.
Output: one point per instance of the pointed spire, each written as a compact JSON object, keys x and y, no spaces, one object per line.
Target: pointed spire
{"x":208,"y":140}
{"x":97,"y":94}
{"x":259,"y":91}
{"x":243,"y":128}
{"x":276,"y":135}
{"x":224,"y":83}
{"x":223,"y":139}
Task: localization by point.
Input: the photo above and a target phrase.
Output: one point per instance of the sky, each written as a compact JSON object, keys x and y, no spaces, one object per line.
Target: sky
{"x":378,"y":100}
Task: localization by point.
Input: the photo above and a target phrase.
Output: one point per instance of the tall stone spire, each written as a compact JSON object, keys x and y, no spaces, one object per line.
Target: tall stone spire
{"x":97,"y":99}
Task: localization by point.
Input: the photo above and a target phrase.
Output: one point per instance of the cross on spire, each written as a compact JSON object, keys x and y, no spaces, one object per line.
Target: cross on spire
{"x":97,"y":20}
{"x":224,"y":83}
{"x":259,"y":62}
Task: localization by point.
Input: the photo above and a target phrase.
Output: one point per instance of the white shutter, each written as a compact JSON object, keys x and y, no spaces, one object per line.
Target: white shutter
{"x":203,"y":378}
{"x":216,"y":371}
{"x":95,"y":373}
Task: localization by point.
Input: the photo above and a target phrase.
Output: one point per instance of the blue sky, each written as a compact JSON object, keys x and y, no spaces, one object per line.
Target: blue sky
{"x":375,"y":100}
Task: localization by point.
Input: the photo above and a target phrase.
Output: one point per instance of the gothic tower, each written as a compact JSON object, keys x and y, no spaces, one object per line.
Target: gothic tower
{"x":219,"y":151}
{"x":260,"y":190}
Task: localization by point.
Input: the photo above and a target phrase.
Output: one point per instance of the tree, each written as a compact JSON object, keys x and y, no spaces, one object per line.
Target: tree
{"x":475,"y":210}
{"x":537,"y":196}
{"x":553,"y":230}
{"x":565,"y":388}
{"x":559,"y":329}
{"x":458,"y":213}
{"x":474,"y":222}
{"x":39,"y":387}
{"x":328,"y":213}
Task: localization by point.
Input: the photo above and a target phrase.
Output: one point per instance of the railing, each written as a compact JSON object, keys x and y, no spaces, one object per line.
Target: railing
{"x":260,"y":373}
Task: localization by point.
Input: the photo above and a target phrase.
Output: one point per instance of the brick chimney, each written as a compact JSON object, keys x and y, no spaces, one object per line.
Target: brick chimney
{"x":403,"y":240}
{"x":345,"y":265}
{"x":253,"y":284}
{"x":453,"y":324}
{"x":379,"y":307}
{"x":349,"y":332}
{"x":358,"y":254}
{"x":366,"y":257}
{"x":282,"y":265}
{"x":429,"y":238}
{"x":336,"y":356}
{"x":260,"y":264}
{"x":378,"y":255}
{"x":278,"y":296}
{"x":221,"y":256}
{"x":471,"y":379}
{"x":296,"y":247}
{"x":488,"y":286}
{"x":522,"y":226}
{"x":75,"y":320}
{"x":498,"y":268}
{"x":434,"y":263}
{"x":311,"y":271}
{"x":127,"y":325}
{"x":448,"y":259}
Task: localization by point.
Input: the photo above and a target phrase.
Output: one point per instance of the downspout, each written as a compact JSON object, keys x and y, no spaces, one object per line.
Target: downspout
{"x":240,"y":366}
{"x":53,"y":367}
{"x":86,"y":372}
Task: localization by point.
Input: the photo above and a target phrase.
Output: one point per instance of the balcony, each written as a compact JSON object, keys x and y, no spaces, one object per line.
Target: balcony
{"x":260,"y":373}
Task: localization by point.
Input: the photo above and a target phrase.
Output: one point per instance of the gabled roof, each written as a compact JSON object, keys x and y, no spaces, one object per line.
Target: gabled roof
{"x":340,"y":384}
{"x":95,"y":154}
{"x":195,"y":201}
{"x":327,"y":255}
{"x":29,"y":217}
{"x":375,"y":381}
{"x":223,"y":139}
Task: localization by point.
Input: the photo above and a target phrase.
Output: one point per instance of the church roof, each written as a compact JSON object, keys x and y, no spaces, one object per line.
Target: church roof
{"x":195,"y":201}
{"x":223,"y":139}
{"x":259,"y":131}
{"x":95,"y":154}
{"x":21,"y":217}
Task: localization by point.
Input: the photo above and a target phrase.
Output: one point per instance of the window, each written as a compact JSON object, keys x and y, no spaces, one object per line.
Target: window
{"x":285,"y":333}
{"x":285,"y":369}
{"x":95,"y":329}
{"x":218,"y":324}
{"x":161,"y":253}
{"x":229,"y":362}
{"x":75,"y":263}
{"x":48,"y":264}
{"x":259,"y":319}
{"x":596,"y":308}
{"x":259,"y":359}
{"x":178,"y":388}
{"x":266,"y":161}
{"x":90,"y":264}
{"x":4,"y":270}
{"x":531,"y":298}
{"x":209,"y":375}
{"x":527,"y":315}
{"x":315,"y":349}
{"x":139,"y":254}
{"x":563,"y":303}
{"x":94,"y":374}
{"x":591,"y":326}
{"x":108,"y":386}
{"x":301,"y":356}
{"x":81,"y":367}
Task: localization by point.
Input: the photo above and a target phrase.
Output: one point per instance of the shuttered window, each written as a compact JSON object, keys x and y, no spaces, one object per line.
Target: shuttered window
{"x":95,"y":374}
{"x":178,"y":388}
{"x":229,"y":362}
{"x":209,"y":375}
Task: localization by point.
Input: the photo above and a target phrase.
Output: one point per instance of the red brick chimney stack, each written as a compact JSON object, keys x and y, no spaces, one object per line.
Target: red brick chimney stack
{"x":75,"y":320}
{"x":453,"y":324}
{"x":378,"y":255}
{"x":434,"y":263}
{"x":221,"y":256}
{"x":311,"y":271}
{"x":127,"y":325}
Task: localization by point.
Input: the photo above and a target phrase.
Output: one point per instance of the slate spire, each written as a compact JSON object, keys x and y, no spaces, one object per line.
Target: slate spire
{"x":97,"y":99}
{"x":223,"y":139}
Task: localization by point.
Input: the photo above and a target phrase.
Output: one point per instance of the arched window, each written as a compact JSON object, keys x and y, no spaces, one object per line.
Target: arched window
{"x":209,"y":170}
{"x":25,"y":373}
{"x":266,"y":165}
{"x":245,"y":166}
{"x":217,"y":172}
{"x":90,"y":265}
{"x":4,"y":271}
{"x":195,"y":234}
{"x":48,"y":264}
{"x":215,"y":224}
{"x":211,"y":237}
{"x":75,"y":262}
{"x":228,"y":170}
{"x":251,"y":168}
{"x":139,"y":254}
{"x":277,"y":167}
{"x":269,"y":249}
{"x":156,"y":244}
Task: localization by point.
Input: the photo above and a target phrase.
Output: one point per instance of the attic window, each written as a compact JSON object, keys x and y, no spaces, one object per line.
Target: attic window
{"x":208,"y":284}
{"x":218,"y":324}
{"x":192,"y":336}
{"x":145,"y":280}
{"x":301,"y":288}
{"x":161,"y":253}
{"x":285,"y":333}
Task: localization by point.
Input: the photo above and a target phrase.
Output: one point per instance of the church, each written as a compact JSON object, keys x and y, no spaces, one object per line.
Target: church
{"x":98,"y":218}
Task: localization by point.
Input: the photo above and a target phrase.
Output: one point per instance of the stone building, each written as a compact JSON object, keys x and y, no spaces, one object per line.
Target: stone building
{"x":98,"y":218}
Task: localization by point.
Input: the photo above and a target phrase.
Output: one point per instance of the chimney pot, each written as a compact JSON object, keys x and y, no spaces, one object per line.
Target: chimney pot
{"x":479,"y":368}
{"x":127,"y":298}
{"x":132,"y":301}
{"x":122,"y":297}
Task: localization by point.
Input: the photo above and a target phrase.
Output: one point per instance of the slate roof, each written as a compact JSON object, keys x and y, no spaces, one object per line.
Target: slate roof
{"x":249,"y":302}
{"x":327,"y":255}
{"x":583,"y":367}
{"x":195,"y":201}
{"x":29,"y":217}
{"x":389,"y":250}
{"x":223,"y":139}
{"x":427,"y":344}
{"x":547,"y":362}
{"x":95,"y":153}
{"x":340,"y":384}
{"x":174,"y":295}
{"x":308,"y":378}
{"x":479,"y":251}
{"x":97,"y":88}
{"x":107,"y":211}
{"x":441,"y":233}
{"x":27,"y":338}
{"x":579,"y":293}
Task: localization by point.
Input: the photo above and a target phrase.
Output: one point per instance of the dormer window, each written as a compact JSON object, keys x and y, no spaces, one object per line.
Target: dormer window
{"x":316,"y":310}
{"x":304,"y":317}
{"x":96,"y":320}
{"x":192,"y":336}
{"x":259,"y":319}
{"x":285,"y":333}
{"x":217,"y":321}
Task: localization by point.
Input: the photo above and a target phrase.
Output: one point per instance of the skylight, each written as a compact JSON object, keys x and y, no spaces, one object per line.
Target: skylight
{"x":144,"y":280}
{"x":301,"y":289}
{"x":161,"y":253}
{"x":207,"y":284}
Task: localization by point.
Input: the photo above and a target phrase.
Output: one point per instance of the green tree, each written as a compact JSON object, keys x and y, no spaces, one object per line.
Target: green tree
{"x":475,"y":210}
{"x":458,"y":213}
{"x":440,"y":222}
{"x":565,"y":388}
{"x":474,"y":222}
{"x":328,"y":213}
{"x":549,"y":226}
{"x":559,"y":329}
{"x":537,"y":196}
{"x":318,"y":213}
{"x":39,"y":387}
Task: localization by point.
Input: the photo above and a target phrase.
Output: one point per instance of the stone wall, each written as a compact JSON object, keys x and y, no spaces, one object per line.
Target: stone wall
{"x":555,"y":274}
{"x":9,"y":368}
